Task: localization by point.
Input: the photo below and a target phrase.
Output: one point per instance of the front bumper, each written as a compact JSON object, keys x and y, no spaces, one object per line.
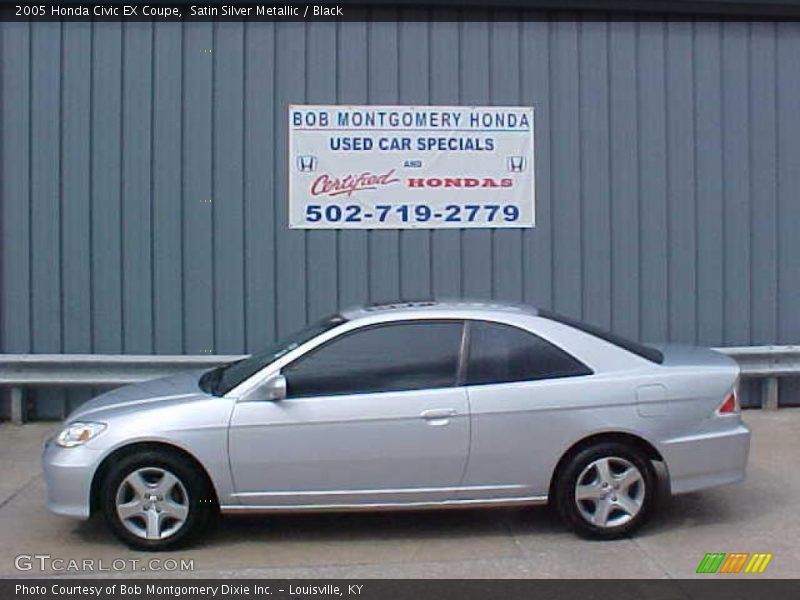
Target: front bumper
{"x":68,"y":476}
{"x":707,"y":459}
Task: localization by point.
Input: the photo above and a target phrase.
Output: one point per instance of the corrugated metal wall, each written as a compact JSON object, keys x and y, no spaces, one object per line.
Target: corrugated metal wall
{"x":144,"y":177}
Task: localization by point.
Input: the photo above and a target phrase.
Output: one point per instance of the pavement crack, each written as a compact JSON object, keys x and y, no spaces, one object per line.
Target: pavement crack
{"x":16,"y":493}
{"x":513,"y":534}
{"x":651,"y":558}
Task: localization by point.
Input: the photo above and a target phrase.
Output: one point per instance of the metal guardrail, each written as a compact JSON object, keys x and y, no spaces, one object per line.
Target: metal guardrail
{"x":98,"y":369}
{"x":767,"y":363}
{"x":20,"y":371}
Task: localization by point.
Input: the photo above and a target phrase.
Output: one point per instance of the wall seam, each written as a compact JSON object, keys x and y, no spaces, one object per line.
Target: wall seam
{"x":668,"y":188}
{"x":121,"y":189}
{"x":637,"y":69}
{"x":777,"y":173}
{"x":31,"y":295}
{"x":153,"y":328}
{"x":550,"y":161}
{"x":183,"y":189}
{"x":275,"y":111}
{"x":722,"y":115}
{"x":90,"y":227}
{"x":245,"y":311}
{"x":579,"y":180}
{"x":750,"y":229}
{"x":3,"y":218}
{"x":610,"y":166}
{"x":695,"y":189}
{"x":61,"y":299}
{"x":213,"y":184}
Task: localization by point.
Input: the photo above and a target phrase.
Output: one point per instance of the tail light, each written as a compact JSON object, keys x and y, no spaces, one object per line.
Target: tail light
{"x":730,"y":405}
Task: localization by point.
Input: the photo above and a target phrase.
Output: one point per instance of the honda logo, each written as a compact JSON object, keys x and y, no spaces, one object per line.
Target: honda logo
{"x":307,"y":164}
{"x":516,"y":164}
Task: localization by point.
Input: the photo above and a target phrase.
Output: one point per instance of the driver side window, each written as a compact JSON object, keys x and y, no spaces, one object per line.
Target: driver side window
{"x":408,"y":355}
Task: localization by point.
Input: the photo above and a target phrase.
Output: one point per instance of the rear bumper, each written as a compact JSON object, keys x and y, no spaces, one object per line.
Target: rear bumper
{"x":708,"y":459}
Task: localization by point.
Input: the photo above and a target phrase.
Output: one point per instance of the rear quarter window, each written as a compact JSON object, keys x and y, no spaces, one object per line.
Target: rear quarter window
{"x":500,"y":353}
{"x":646,"y":352}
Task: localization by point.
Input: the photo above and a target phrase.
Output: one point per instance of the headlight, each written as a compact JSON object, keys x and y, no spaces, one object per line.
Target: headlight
{"x":76,"y":434}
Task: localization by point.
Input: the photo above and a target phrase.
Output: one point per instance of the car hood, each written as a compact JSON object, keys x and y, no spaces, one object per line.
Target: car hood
{"x":174,"y":388}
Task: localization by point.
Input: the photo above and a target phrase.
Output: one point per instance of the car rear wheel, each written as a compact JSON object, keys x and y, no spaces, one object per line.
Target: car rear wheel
{"x":156,"y":500}
{"x":606,"y":491}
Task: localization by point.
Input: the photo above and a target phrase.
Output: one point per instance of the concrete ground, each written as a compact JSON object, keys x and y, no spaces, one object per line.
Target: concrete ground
{"x":759,"y":515}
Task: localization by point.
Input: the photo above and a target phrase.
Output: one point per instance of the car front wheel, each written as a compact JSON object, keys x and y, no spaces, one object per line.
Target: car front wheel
{"x":606,"y":491}
{"x":156,"y":500}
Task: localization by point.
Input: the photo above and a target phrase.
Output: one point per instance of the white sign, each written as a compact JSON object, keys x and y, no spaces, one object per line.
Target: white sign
{"x":410,"y":167}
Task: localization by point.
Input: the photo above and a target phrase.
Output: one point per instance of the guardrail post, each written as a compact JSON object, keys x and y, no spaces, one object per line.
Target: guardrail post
{"x":17,"y":405}
{"x":769,"y":393}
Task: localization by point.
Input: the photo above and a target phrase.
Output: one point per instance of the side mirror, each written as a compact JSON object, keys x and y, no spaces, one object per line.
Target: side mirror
{"x":273,"y":389}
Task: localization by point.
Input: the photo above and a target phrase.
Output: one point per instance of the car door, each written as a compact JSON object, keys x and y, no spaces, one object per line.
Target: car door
{"x":372,"y":416}
{"x":518,"y":385}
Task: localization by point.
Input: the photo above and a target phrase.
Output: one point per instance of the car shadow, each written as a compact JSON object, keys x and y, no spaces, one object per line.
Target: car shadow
{"x":357,"y":526}
{"x":385,"y":526}
{"x":729,"y":505}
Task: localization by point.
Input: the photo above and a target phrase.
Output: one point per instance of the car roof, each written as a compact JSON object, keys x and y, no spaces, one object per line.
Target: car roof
{"x":443,"y":307}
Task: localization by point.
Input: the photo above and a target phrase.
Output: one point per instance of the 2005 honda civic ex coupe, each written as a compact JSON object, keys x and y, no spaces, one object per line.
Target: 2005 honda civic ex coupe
{"x":409,"y":405}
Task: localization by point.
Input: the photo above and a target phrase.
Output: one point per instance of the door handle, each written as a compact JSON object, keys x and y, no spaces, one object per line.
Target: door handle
{"x":438,"y":413}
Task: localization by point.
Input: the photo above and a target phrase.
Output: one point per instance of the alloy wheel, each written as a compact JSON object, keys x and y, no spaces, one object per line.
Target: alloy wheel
{"x":610,"y":492}
{"x":152,"y":503}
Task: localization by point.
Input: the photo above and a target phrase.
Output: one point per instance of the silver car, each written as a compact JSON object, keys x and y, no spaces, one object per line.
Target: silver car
{"x":410,"y":405}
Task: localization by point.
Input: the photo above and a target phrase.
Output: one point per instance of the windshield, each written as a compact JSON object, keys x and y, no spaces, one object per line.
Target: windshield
{"x":220,"y":380}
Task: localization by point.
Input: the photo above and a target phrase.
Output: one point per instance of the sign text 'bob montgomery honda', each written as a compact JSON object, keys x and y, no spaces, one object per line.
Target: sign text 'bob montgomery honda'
{"x":410,"y":167}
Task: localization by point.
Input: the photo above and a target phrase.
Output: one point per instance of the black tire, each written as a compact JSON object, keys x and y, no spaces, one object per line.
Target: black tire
{"x":619,"y":522}
{"x":199,"y":498}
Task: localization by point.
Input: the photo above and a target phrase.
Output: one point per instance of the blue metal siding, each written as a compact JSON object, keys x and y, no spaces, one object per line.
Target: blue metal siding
{"x":144,"y":182}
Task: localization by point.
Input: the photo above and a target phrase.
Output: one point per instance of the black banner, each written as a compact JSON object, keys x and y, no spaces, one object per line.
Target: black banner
{"x":362,"y":10}
{"x":730,"y":588}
